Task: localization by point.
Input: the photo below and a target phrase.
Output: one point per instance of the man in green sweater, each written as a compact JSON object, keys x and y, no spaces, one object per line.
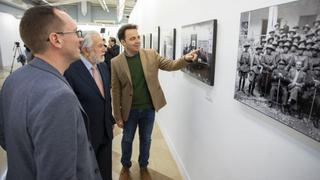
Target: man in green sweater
{"x":137,"y":94}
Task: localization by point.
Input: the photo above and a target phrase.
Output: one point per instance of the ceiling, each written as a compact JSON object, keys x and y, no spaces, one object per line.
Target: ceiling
{"x":104,"y":4}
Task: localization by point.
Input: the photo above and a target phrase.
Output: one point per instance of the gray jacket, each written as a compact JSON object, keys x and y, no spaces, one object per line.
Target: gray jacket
{"x":42,"y":128}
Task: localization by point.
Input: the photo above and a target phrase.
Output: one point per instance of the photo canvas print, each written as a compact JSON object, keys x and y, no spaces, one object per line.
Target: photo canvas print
{"x":200,"y":36}
{"x":168,"y":48}
{"x":278,"y":64}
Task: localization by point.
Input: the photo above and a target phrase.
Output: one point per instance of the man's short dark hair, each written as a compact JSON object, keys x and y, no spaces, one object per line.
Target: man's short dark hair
{"x":122,"y":30}
{"x":112,"y":39}
{"x":36,"y":25}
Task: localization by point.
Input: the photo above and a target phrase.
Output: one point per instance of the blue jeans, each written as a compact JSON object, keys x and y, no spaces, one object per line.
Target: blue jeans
{"x":144,"y":118}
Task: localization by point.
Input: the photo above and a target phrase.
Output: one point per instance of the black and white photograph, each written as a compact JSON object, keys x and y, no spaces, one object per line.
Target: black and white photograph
{"x":278,"y":64}
{"x":143,"y":41}
{"x":148,"y":40}
{"x":200,"y":36}
{"x":156,"y":39}
{"x":168,"y":48}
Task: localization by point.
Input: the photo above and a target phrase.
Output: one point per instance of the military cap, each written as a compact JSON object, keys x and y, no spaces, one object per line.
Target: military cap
{"x":316,"y":47}
{"x":284,"y":35}
{"x":309,"y":34}
{"x":289,"y":40}
{"x":297,"y":37}
{"x":287,"y":44}
{"x":296,"y":45}
{"x":316,"y":21}
{"x":317,"y":68}
{"x":259,"y":47}
{"x":302,"y":42}
{"x":270,"y":38}
{"x":302,"y":47}
{"x":282,"y":62}
{"x":269,"y":46}
{"x":316,"y":31}
{"x":292,"y":31}
{"x":275,"y":43}
{"x":306,"y":26}
{"x":296,"y":27}
{"x":272,"y":31}
{"x":246,"y":45}
{"x":309,"y":41}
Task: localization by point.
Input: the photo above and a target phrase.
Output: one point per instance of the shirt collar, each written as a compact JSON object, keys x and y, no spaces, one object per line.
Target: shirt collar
{"x":86,"y":62}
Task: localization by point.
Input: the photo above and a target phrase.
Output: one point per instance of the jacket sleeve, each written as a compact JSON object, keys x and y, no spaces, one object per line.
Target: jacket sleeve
{"x":168,"y":64}
{"x":115,"y":92}
{"x":54,"y":132}
{"x":2,"y":140}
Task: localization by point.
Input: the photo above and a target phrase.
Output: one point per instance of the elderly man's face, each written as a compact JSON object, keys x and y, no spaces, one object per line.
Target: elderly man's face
{"x":97,"y":50}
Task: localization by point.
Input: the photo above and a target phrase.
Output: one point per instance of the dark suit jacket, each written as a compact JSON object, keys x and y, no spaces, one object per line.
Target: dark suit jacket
{"x":42,"y":127}
{"x":98,"y":108}
{"x":111,"y":53}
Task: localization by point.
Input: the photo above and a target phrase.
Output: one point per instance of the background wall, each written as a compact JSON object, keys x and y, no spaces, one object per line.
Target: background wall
{"x":212,"y":136}
{"x":9,"y":33}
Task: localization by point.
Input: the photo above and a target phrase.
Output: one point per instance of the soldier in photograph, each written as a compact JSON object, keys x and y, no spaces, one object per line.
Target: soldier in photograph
{"x":279,"y":83}
{"x":268,"y":64}
{"x":244,"y":67}
{"x":296,"y":78}
{"x":256,"y":68}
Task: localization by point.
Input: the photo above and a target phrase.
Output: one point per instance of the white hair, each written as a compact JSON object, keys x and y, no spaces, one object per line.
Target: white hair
{"x":87,"y":39}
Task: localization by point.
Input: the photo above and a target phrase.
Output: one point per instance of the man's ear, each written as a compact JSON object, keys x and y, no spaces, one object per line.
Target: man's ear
{"x":85,"y":51}
{"x":54,"y":40}
{"x":123,"y":42}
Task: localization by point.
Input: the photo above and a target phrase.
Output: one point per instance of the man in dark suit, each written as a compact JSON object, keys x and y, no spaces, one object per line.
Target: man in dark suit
{"x":90,"y":81}
{"x":112,"y":50}
{"x":42,"y":127}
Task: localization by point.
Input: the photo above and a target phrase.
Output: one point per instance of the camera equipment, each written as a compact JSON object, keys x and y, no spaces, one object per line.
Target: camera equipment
{"x":21,"y":58}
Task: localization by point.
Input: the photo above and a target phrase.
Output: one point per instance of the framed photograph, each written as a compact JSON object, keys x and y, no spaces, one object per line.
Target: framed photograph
{"x":168,"y":48}
{"x":278,"y":64}
{"x":143,"y":42}
{"x":156,"y":39}
{"x":201,"y":36}
{"x":148,"y":40}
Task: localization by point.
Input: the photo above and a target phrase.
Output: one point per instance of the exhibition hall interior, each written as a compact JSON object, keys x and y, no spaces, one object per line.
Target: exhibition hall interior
{"x":246,"y":107}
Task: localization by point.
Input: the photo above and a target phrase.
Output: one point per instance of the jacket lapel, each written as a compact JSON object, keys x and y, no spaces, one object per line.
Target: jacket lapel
{"x":105,"y":78}
{"x":125,"y":66}
{"x":87,"y":77}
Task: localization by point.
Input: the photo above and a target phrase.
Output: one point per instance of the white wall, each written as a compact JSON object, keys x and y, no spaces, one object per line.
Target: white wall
{"x":9,"y":33}
{"x":211,"y":135}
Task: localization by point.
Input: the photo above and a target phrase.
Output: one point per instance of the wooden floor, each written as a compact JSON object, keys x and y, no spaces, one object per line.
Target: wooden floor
{"x":161,"y":164}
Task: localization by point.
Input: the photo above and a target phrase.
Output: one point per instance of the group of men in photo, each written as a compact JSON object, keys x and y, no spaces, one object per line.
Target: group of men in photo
{"x":284,"y":68}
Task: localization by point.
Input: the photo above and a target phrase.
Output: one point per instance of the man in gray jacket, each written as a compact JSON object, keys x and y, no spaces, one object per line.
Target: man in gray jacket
{"x":41,"y":123}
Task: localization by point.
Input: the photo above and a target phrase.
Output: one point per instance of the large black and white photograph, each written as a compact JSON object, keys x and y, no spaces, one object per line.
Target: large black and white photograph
{"x":278,"y":64}
{"x":148,"y":40}
{"x":156,"y":39}
{"x":168,"y":48}
{"x":200,"y":36}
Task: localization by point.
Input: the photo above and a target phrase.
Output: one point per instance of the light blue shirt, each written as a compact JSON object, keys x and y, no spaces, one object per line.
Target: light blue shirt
{"x":86,"y":63}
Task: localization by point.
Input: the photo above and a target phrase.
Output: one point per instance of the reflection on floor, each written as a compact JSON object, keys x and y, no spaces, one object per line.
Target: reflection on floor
{"x":161,"y":164}
{"x":161,"y":167}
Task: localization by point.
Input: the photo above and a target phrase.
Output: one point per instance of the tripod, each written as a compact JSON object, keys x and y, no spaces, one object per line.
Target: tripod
{"x":21,"y":58}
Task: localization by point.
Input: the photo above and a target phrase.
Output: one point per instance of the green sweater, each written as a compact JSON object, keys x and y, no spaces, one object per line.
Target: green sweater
{"x":141,"y":97}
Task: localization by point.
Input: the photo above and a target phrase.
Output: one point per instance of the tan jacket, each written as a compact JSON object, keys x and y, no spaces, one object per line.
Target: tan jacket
{"x":122,"y":89}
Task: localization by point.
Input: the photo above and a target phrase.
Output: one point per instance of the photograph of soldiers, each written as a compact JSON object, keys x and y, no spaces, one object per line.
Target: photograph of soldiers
{"x":148,"y":40}
{"x":278,"y":64}
{"x":200,"y":36}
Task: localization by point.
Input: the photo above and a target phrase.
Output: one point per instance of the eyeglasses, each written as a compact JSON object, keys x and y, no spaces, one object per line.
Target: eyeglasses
{"x":78,"y":33}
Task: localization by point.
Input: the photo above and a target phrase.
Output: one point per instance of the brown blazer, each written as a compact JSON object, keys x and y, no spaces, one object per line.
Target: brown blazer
{"x":122,"y":89}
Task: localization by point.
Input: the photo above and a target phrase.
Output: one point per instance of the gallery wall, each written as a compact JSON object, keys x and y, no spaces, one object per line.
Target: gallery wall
{"x":9,"y":33}
{"x":211,"y":135}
